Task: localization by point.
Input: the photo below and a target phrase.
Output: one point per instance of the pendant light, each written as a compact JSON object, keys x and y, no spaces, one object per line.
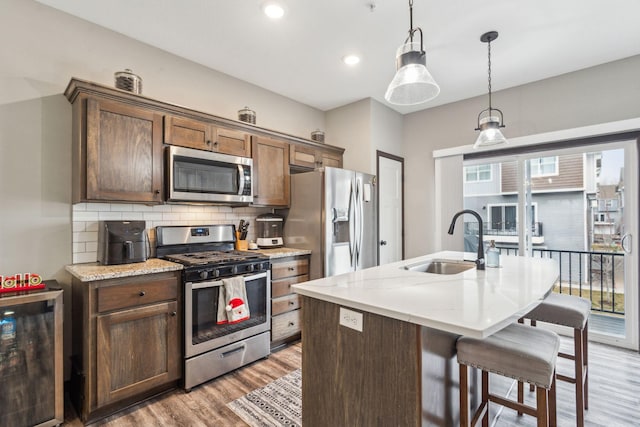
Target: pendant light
{"x":488,"y":123}
{"x":412,"y":83}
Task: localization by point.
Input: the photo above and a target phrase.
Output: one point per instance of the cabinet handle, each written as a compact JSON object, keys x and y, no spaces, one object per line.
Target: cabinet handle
{"x":292,"y":324}
{"x":208,"y":142}
{"x":291,"y":268}
{"x":142,"y":293}
{"x":215,"y":144}
{"x":255,"y":196}
{"x":157,"y":191}
{"x":173,"y":313}
{"x":292,"y":303}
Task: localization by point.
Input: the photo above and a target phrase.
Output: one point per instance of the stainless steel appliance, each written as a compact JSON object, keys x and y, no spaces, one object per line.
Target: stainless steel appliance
{"x":122,"y":242}
{"x":269,"y":231}
{"x":213,"y":349}
{"x":333,"y":213}
{"x":205,"y":176}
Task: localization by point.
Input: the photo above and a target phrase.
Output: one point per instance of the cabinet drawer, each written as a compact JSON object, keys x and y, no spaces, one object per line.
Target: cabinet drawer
{"x":285,"y":325}
{"x":284,"y":304}
{"x":132,"y":294}
{"x":295,"y":267}
{"x":283,"y":286}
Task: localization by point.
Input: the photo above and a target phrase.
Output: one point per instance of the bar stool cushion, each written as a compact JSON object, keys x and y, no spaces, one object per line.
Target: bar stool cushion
{"x":518,"y":351}
{"x":561,"y":309}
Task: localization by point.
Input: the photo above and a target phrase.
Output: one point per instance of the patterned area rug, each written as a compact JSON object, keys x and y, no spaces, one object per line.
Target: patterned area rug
{"x":279,"y":403}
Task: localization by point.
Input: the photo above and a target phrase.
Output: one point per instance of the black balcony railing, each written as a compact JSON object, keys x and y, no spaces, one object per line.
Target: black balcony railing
{"x":597,"y":276}
{"x":499,"y":229}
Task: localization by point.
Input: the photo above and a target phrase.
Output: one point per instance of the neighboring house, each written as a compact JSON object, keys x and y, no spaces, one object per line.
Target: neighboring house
{"x":559,"y":185}
{"x":606,"y":219}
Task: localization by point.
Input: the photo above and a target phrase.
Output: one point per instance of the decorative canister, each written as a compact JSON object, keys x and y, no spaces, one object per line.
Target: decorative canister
{"x":317,"y":135}
{"x":247,"y":115}
{"x":128,"y":81}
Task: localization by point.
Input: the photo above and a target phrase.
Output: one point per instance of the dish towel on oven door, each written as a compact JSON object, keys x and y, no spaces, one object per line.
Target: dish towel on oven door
{"x":232,"y":301}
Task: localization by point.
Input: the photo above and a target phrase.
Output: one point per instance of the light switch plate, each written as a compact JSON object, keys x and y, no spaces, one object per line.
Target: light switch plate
{"x":351,"y":319}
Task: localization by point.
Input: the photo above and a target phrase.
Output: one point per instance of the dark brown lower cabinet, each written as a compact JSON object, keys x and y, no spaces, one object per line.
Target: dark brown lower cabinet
{"x":130,"y":336}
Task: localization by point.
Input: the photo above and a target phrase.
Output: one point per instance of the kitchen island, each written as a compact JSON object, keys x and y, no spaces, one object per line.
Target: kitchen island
{"x":379,"y":344}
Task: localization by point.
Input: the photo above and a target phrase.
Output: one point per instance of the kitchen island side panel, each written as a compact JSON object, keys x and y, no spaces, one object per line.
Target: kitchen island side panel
{"x":358,"y":378}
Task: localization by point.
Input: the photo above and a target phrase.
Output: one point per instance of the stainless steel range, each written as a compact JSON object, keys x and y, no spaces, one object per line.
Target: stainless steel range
{"x":213,"y":346}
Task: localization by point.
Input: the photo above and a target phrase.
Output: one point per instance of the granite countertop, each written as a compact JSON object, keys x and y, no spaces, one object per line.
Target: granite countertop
{"x":282,"y":252}
{"x":93,"y":271}
{"x":474,"y":302}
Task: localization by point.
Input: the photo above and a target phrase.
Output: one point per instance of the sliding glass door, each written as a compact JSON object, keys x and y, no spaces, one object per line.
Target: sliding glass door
{"x":578,"y":206}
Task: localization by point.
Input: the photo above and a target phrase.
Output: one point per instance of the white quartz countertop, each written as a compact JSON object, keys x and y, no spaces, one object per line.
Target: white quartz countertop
{"x":473,"y":303}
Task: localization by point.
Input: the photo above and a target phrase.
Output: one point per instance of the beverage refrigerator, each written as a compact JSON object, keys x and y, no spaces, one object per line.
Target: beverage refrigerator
{"x":334,"y":213}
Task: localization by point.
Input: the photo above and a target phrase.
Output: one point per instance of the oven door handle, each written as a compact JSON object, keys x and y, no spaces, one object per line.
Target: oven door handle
{"x":214,"y":283}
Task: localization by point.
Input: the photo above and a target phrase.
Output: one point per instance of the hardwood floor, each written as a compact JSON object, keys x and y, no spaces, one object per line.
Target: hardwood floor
{"x":614,"y":394}
{"x":206,"y":404}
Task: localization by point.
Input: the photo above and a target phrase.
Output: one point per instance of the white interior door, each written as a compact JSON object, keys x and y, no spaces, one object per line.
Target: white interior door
{"x":390,"y":188}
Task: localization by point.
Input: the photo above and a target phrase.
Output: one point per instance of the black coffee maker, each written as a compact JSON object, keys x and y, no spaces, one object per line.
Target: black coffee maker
{"x":122,"y":242}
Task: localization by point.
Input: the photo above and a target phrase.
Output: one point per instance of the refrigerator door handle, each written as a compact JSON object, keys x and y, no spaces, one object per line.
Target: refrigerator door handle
{"x":352,"y":230}
{"x":361,"y":220}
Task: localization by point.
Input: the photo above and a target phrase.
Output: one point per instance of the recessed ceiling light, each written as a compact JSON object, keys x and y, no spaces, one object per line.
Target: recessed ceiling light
{"x":351,"y":59}
{"x":273,"y":10}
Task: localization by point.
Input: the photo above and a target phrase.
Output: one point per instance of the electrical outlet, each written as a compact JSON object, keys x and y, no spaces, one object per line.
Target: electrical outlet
{"x":351,"y":319}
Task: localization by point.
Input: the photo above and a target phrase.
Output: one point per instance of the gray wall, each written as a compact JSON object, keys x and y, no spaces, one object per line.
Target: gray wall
{"x":601,"y":94}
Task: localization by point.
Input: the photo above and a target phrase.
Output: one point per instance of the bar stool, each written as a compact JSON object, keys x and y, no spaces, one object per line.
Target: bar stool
{"x":519,"y":352}
{"x":572,"y":312}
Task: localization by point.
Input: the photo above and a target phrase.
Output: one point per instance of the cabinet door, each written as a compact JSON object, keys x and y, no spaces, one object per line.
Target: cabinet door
{"x":270,"y":172}
{"x":234,"y":142}
{"x":302,"y":156}
{"x":188,"y":133}
{"x":331,"y":160}
{"x":136,"y":350}
{"x":124,"y":152}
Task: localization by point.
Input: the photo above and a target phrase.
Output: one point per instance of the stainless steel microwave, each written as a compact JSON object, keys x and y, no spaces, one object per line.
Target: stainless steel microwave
{"x":205,"y":176}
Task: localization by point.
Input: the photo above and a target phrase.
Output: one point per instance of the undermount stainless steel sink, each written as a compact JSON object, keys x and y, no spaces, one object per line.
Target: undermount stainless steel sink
{"x":441,"y":266}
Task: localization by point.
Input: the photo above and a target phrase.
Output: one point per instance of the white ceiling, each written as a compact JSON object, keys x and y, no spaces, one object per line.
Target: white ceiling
{"x":300,"y":55}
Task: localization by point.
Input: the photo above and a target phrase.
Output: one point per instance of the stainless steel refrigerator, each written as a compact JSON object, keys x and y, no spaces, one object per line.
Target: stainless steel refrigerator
{"x":334,"y":213}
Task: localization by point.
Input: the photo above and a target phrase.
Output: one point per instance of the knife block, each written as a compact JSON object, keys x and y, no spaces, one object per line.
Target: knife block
{"x":241,"y":245}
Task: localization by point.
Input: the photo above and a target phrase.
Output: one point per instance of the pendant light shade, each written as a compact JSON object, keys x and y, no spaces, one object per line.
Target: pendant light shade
{"x":412,"y":84}
{"x":489,"y":123}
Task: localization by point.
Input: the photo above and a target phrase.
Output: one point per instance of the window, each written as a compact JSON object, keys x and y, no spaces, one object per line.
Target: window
{"x":607,"y":205}
{"x":504,"y":217}
{"x":478,"y":173}
{"x":544,"y":166}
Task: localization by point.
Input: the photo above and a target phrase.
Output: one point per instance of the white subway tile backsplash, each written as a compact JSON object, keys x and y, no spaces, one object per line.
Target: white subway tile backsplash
{"x":123,"y":207}
{"x":171,"y":216}
{"x":110,"y":216}
{"x":84,"y":257}
{"x":153,"y":216}
{"x":85,"y":216}
{"x":85,"y":236}
{"x":98,"y":207}
{"x":91,"y":226}
{"x":142,"y":208}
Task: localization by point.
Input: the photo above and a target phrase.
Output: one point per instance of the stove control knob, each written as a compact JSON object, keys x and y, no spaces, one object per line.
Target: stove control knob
{"x":204,"y":274}
{"x":250,"y":268}
{"x":216,"y":273}
{"x":234,"y":269}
